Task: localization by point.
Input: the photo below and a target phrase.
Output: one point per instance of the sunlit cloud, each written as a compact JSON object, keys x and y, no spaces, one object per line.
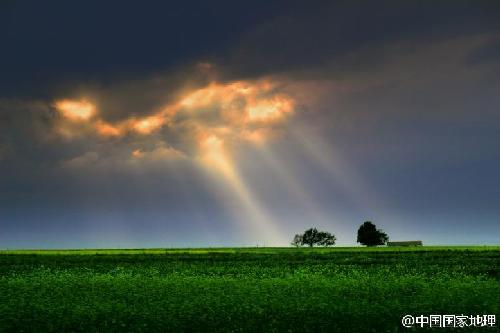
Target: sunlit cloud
{"x":76,"y":110}
{"x":241,"y":111}
{"x":148,"y":125}
{"x":214,"y":154}
{"x":107,"y":130}
{"x":137,"y":153}
{"x":269,"y":110}
{"x":161,"y":152}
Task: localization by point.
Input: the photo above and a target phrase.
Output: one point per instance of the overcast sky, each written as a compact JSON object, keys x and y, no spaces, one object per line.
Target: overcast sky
{"x":229,"y":123}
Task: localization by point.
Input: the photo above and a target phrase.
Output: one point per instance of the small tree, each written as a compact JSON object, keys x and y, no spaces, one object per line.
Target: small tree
{"x":297,"y":240}
{"x":313,"y":237}
{"x":369,"y":235}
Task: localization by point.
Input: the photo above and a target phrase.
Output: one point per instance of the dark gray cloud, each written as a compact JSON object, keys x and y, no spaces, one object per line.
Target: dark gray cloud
{"x":52,"y":46}
{"x":355,"y":33}
{"x":46,"y":47}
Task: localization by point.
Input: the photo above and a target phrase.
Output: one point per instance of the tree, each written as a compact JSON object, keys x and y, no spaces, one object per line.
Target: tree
{"x":313,"y":237}
{"x":326,"y":239}
{"x":310,"y":237}
{"x":369,"y":235}
{"x":297,"y":240}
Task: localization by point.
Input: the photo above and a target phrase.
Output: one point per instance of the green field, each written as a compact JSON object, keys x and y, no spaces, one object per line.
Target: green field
{"x":244,"y":289}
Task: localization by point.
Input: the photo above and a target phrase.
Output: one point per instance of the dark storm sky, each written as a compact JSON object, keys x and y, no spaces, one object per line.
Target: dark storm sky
{"x":396,"y":119}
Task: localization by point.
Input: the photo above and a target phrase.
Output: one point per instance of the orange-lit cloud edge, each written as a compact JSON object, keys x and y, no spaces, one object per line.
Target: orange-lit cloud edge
{"x":239,"y":111}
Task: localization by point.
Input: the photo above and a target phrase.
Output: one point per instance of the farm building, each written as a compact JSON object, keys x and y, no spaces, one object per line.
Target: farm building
{"x":405,"y":243}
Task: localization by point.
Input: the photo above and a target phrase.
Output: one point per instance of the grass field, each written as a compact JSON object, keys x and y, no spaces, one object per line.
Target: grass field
{"x":244,"y":289}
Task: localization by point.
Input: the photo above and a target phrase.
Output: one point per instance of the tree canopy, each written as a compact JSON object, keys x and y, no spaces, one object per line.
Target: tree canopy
{"x":312,"y":237}
{"x":369,"y":235}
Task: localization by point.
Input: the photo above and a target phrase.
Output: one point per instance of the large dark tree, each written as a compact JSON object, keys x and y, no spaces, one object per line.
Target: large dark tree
{"x":369,"y":235}
{"x":313,"y":237}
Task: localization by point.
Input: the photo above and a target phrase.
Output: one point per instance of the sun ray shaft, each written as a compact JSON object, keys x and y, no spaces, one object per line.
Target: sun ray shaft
{"x":330,"y":160}
{"x":216,"y":158}
{"x":287,"y":177}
